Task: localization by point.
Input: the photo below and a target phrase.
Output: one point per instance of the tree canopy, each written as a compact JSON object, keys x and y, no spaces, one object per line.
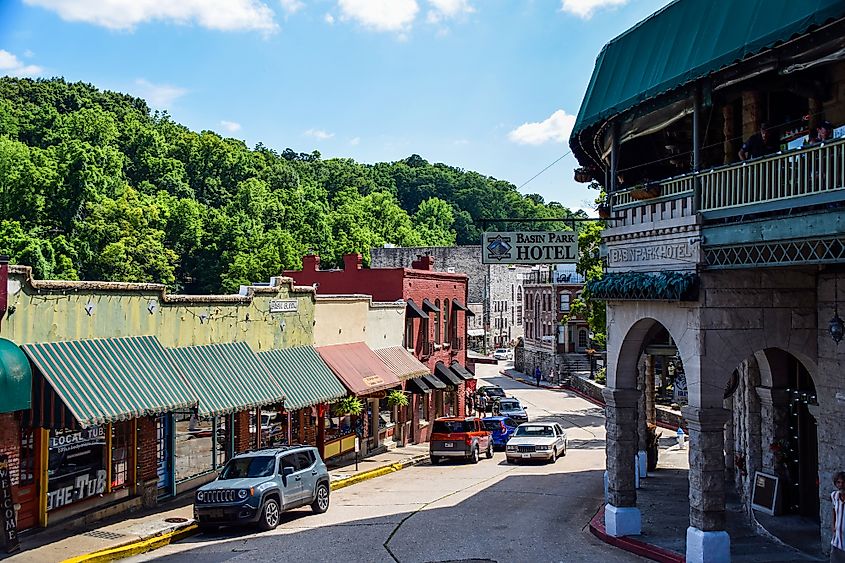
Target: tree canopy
{"x":94,"y":185}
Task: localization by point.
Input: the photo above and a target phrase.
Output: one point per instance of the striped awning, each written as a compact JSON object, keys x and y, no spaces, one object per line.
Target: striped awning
{"x":304,"y":376}
{"x":110,"y":379}
{"x":228,"y":377}
{"x":402,"y":363}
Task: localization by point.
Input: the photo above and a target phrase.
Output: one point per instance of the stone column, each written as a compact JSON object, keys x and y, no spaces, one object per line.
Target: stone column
{"x":650,"y":405}
{"x":642,"y":423}
{"x":729,"y":145}
{"x":707,"y":539}
{"x":621,"y":515}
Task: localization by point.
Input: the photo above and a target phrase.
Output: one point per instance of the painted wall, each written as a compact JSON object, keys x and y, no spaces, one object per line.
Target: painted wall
{"x":44,"y":311}
{"x":385,"y":325}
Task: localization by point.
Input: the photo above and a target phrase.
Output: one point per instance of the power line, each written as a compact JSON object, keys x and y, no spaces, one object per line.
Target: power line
{"x":543,"y":170}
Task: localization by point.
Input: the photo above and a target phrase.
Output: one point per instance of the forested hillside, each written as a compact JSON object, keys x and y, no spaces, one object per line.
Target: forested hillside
{"x":93,"y":185}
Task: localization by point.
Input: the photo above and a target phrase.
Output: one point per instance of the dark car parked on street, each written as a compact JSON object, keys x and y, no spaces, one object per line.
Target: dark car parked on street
{"x":502,"y":428}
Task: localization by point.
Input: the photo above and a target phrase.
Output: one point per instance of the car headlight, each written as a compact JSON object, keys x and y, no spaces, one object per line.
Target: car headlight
{"x":243,"y":493}
{"x":200,"y":496}
{"x":543,"y":448}
{"x":511,"y":448}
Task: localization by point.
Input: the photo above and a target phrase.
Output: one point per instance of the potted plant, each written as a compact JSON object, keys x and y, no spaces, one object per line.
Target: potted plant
{"x":604,"y":211}
{"x":645,"y":191}
{"x":348,"y":405}
{"x":583,"y":175}
{"x":397,"y":398}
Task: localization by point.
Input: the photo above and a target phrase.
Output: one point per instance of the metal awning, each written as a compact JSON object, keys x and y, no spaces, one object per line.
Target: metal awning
{"x":446,"y":375}
{"x":304,"y":376}
{"x":414,"y":310}
{"x":228,"y":377}
{"x":358,"y":367}
{"x":459,"y":306}
{"x":106,"y":380}
{"x":417,"y":386}
{"x":429,"y":307}
{"x":402,"y":363}
{"x":434,"y":382}
{"x":462,"y":372}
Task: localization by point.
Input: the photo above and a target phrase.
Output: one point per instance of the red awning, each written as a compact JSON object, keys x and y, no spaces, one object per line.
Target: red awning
{"x":358,"y":368}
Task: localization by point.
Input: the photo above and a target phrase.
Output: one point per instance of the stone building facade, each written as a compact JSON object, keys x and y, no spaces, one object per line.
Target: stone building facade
{"x":494,"y":290}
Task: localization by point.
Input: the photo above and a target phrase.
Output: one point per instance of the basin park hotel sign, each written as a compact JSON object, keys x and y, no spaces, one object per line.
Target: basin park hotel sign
{"x":545,"y":247}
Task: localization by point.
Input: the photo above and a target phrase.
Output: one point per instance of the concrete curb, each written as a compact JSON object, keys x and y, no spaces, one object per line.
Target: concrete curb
{"x":632,"y":545}
{"x":152,"y":543}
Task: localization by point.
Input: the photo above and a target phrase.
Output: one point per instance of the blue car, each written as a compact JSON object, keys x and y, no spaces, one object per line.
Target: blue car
{"x":502,"y":428}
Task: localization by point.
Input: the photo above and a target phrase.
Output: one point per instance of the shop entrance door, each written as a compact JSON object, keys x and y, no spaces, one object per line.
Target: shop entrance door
{"x":164,"y":454}
{"x":27,"y":489}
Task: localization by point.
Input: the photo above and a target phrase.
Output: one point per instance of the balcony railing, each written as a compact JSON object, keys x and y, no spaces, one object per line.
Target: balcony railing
{"x":812,"y":171}
{"x":815,"y":175}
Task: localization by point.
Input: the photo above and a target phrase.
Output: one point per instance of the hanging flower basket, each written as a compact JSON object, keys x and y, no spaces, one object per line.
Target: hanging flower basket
{"x":604,"y":211}
{"x":583,"y":175}
{"x":645,"y":191}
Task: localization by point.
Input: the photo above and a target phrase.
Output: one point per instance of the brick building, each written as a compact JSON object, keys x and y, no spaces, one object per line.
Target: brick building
{"x":435,"y":321}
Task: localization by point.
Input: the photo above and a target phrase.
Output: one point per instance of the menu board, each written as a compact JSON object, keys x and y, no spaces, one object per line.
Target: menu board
{"x":765,"y":495}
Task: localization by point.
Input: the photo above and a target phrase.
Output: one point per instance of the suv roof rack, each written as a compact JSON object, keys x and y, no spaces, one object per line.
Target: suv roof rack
{"x":281,"y":448}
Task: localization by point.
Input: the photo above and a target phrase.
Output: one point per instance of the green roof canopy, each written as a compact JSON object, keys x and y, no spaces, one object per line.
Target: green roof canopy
{"x":109,"y":379}
{"x":687,"y":40}
{"x":304,"y":376}
{"x":228,"y":377}
{"x":15,"y":378}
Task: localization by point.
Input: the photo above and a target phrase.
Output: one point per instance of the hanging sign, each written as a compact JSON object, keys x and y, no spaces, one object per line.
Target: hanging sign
{"x":8,"y":517}
{"x":546,"y":247}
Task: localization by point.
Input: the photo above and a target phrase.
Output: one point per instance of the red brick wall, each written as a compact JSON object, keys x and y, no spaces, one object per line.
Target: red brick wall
{"x":10,"y":444}
{"x":384,"y":284}
{"x":242,"y":442}
{"x":147,"y":454}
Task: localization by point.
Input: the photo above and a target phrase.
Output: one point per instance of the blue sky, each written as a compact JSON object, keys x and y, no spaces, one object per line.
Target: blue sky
{"x":486,"y":85}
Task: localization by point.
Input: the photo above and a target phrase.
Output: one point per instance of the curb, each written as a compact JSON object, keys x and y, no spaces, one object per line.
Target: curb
{"x":632,"y":545}
{"x":158,"y":541}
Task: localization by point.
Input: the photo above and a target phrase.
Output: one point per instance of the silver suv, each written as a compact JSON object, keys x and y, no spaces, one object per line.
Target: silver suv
{"x":256,"y":487}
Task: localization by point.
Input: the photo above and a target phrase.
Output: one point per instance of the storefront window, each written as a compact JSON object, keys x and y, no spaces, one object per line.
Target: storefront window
{"x":27,"y":453}
{"x":194,"y":445}
{"x":77,"y":465}
{"x":422,"y":401}
{"x":274,"y":430}
{"x":121,"y":454}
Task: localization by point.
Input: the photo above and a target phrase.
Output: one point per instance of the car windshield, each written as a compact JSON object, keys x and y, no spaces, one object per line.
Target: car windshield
{"x":492,"y":425}
{"x":243,"y":467}
{"x":451,"y":426}
{"x":509,"y":405}
{"x":534,"y":431}
{"x":501,"y":351}
{"x":495,"y":392}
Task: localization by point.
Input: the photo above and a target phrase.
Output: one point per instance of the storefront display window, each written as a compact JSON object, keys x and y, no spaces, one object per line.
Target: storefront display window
{"x":200,"y":445}
{"x":121,"y":454}
{"x":77,"y":465}
{"x":273,"y":428}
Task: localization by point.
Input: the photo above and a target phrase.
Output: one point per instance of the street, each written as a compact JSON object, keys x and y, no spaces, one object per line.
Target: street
{"x":491,"y":511}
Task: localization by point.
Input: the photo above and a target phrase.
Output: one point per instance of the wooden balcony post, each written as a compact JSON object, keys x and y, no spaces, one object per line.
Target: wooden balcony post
{"x":696,"y":147}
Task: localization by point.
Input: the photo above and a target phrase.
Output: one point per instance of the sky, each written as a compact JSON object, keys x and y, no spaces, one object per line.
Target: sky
{"x":486,"y":85}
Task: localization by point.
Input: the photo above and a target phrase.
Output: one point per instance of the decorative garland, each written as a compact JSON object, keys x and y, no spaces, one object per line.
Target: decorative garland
{"x":648,"y":286}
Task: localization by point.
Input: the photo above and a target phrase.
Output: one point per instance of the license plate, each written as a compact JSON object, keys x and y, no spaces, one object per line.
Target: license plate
{"x":526,"y":455}
{"x":448,"y":445}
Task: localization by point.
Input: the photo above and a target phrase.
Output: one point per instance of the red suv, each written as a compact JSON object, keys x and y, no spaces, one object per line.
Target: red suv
{"x":460,"y":437}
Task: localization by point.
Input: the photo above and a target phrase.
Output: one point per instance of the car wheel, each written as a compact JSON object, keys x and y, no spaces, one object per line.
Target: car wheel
{"x":489,"y":453}
{"x":434,"y":460}
{"x":321,"y":499}
{"x":474,"y":457}
{"x":563,"y":453}
{"x":270,"y":514}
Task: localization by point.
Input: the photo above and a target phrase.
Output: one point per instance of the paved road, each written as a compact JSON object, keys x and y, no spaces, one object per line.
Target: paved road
{"x":451,"y":512}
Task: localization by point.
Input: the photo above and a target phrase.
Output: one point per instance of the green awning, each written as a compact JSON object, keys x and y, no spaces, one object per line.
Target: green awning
{"x":15,"y":378}
{"x":687,"y":40}
{"x":110,"y":379}
{"x":304,"y":376}
{"x":228,"y":377}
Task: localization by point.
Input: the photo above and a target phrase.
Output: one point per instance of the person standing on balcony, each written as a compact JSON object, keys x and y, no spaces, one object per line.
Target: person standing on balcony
{"x":837,"y":498}
{"x":759,"y":144}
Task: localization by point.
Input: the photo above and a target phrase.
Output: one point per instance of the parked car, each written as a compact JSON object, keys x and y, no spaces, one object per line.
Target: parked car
{"x":459,"y":437}
{"x":510,"y":407}
{"x":492,"y":394}
{"x":536,"y":440}
{"x":501,"y":427}
{"x":503,"y":354}
{"x":256,"y":487}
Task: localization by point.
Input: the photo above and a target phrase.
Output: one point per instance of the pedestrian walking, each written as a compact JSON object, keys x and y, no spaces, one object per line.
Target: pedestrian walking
{"x":837,"y":499}
{"x":537,"y":375}
{"x":481,"y":403}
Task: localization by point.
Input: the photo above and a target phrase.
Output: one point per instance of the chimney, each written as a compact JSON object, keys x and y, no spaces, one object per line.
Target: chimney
{"x":4,"y":284}
{"x":423,"y":262}
{"x":310,"y":263}
{"x":352,"y":261}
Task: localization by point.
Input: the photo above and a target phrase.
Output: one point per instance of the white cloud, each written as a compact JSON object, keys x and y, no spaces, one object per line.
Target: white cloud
{"x":292,"y":6}
{"x":460,"y":142}
{"x":319,"y":134}
{"x":380,"y":15}
{"x":230,"y":126}
{"x":444,"y":9}
{"x":159,"y":95}
{"x":224,"y":15}
{"x":329,"y":18}
{"x":585,"y":8}
{"x":355,"y":141}
{"x":556,"y":128}
{"x":10,"y":65}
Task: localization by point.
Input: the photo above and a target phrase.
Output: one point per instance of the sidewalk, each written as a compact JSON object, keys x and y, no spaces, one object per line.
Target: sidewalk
{"x":145,"y":530}
{"x":522,"y":378}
